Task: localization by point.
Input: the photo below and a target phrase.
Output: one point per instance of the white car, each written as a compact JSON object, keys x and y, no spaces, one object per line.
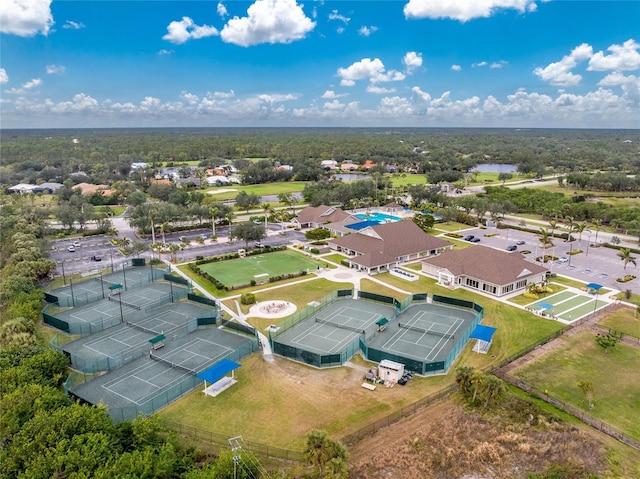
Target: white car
{"x":77,"y":243}
{"x":563,"y":259}
{"x":71,"y":248}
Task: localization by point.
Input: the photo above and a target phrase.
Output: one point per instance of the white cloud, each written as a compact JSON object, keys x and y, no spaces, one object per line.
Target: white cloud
{"x":559,"y":73}
{"x":4,"y":78}
{"x":367,"y":31}
{"x":25,"y":18}
{"x":367,"y":69}
{"x":498,"y":65}
{"x":479,"y":64}
{"x":185,"y":30}
{"x":55,"y":69}
{"x":164,"y":51}
{"x":36,"y":82}
{"x":222,"y":10}
{"x":334,"y":15}
{"x":412,"y":60}
{"x":330,"y":95}
{"x":456,"y":68}
{"x":463,"y":10}
{"x":378,"y":90}
{"x":623,"y":57}
{"x":268,"y":21}
{"x":71,"y":25}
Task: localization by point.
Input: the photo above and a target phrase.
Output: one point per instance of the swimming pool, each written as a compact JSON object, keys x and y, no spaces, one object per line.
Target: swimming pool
{"x":379,"y":217}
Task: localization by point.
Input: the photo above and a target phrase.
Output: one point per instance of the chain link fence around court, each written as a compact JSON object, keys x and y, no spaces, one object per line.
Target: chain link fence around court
{"x":115,"y":360}
{"x":166,"y":396}
{"x":74,"y":295}
{"x":100,"y":322}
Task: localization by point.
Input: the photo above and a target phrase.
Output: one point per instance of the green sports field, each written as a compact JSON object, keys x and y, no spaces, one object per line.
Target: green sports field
{"x":259,"y":267}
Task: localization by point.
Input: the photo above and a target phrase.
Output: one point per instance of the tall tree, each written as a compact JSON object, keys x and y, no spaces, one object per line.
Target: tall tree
{"x":625,"y":255}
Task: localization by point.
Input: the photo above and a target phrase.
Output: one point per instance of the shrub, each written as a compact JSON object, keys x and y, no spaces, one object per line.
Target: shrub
{"x":248,"y":298}
{"x":314,"y":251}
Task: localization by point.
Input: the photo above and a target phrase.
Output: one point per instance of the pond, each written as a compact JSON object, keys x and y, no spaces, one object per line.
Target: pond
{"x":495,"y":168}
{"x":350,"y":177}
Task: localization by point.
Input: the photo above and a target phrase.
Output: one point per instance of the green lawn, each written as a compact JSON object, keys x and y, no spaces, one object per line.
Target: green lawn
{"x":260,"y":190}
{"x":625,"y":320}
{"x":614,"y":376}
{"x":258,"y":267}
{"x":408,"y":179}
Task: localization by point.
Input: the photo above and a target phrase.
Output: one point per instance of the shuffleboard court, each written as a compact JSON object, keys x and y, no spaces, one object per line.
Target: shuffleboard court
{"x":568,"y":306}
{"x":258,"y":267}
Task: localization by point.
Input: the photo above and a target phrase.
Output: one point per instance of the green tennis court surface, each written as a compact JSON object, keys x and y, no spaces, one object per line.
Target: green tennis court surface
{"x":145,"y":385}
{"x":258,"y":268}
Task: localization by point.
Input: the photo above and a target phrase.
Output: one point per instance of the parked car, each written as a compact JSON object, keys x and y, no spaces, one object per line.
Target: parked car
{"x":549,"y":274}
{"x":77,"y":243}
{"x":468,"y":238}
{"x":71,"y":248}
{"x":520,"y":242}
{"x":96,"y":258}
{"x":475,"y":240}
{"x":259,"y":245}
{"x":511,"y":247}
{"x":563,"y":259}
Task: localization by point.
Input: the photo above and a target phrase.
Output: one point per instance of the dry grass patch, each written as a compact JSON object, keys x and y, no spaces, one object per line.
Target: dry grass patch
{"x":448,"y":441}
{"x":279,"y":402}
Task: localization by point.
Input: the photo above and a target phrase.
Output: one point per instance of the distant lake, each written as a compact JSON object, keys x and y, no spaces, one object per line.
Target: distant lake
{"x":495,"y":168}
{"x":350,"y":177}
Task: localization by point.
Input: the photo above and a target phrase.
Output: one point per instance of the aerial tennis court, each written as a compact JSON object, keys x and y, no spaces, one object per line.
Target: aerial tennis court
{"x":94,"y":289}
{"x":427,"y":332}
{"x":110,"y":311}
{"x":258,"y":267}
{"x":147,"y":384}
{"x":115,"y":346}
{"x":568,"y":306}
{"x":336,"y":326}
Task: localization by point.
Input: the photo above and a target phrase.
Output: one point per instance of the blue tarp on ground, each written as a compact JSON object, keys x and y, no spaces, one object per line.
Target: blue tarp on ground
{"x":483,"y":333}
{"x":218,"y":371}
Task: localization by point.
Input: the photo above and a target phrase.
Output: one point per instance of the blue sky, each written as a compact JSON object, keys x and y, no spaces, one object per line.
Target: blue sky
{"x":414,"y":63}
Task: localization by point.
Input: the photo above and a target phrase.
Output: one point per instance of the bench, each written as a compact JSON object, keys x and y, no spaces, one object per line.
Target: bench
{"x":157,"y":342}
{"x":368,"y":386}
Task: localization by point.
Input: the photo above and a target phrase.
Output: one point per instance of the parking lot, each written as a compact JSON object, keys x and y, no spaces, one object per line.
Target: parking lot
{"x":595,"y":264}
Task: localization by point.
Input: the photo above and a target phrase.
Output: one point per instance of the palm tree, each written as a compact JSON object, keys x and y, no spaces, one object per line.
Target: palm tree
{"x":597,"y":222}
{"x":544,"y":236}
{"x":163,"y":227}
{"x":212,"y":211}
{"x":580,"y":227}
{"x":587,"y":388}
{"x":625,"y":256}
{"x":570,"y":226}
{"x":493,"y":388}
{"x":266,"y":208}
{"x":554,"y":225}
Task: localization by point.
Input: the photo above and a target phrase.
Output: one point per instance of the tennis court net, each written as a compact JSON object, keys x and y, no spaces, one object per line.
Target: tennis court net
{"x":171,"y":364}
{"x":141,"y":328}
{"x":426,"y":331}
{"x":105,"y":282}
{"x":115,"y":300}
{"x":341,"y":326}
